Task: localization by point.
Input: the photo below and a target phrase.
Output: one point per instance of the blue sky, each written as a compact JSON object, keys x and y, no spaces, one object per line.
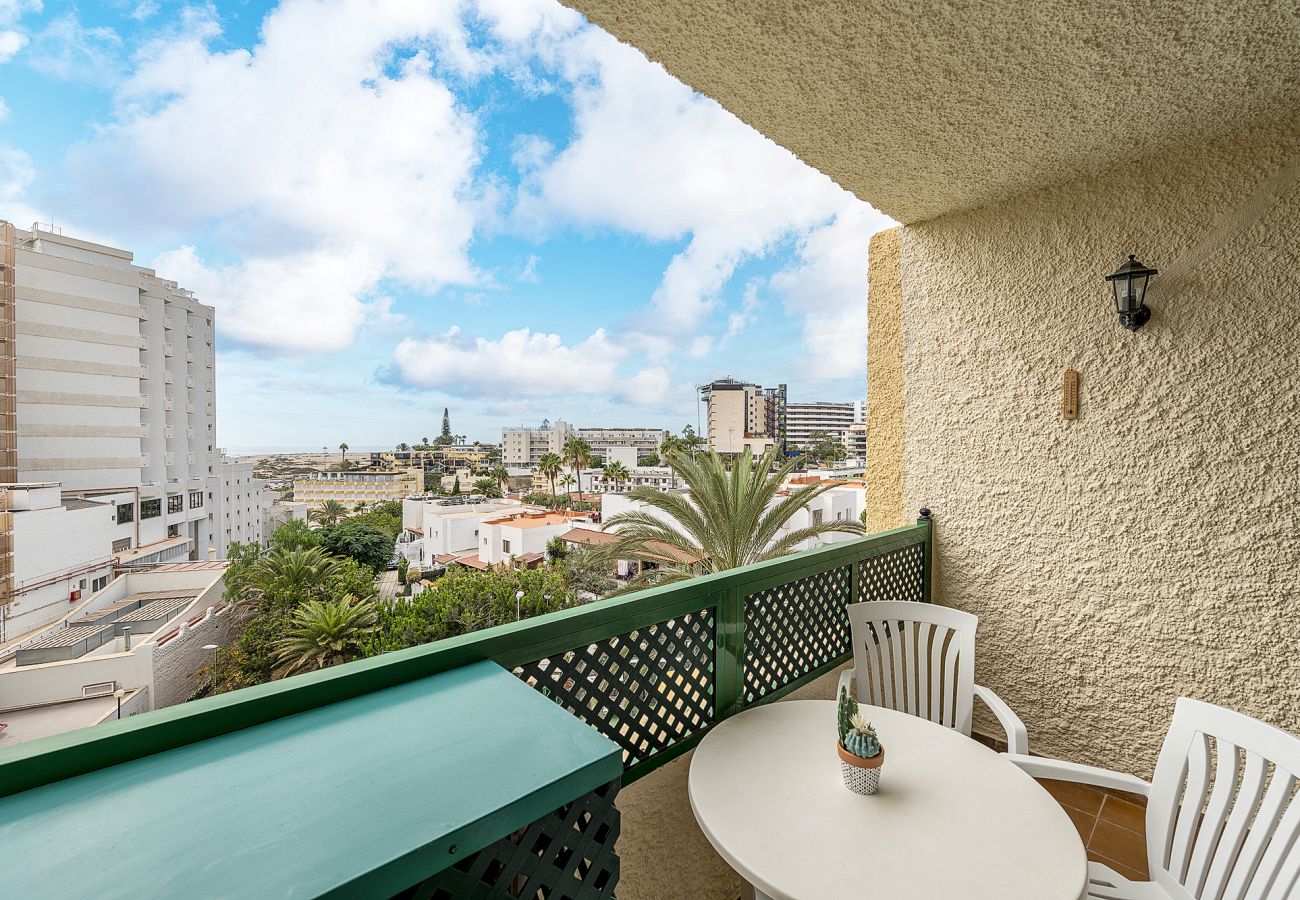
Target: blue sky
{"x":399,"y":206}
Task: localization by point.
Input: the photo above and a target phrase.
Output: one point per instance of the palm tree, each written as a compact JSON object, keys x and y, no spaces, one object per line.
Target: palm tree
{"x":343,"y":449}
{"x":617,"y":473}
{"x":487,"y":487}
{"x":567,"y":481}
{"x":731,"y":517}
{"x":690,"y":442}
{"x":324,"y":633}
{"x":550,"y":465}
{"x":670,"y":446}
{"x":403,"y":446}
{"x":287,"y":576}
{"x":578,"y":453}
{"x":330,"y":512}
{"x":500,"y":476}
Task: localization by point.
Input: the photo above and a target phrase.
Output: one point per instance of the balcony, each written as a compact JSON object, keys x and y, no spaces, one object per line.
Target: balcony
{"x":647,"y":675}
{"x":168,"y":350}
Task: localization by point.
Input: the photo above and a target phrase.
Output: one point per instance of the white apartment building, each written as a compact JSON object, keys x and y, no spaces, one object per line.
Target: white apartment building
{"x":743,"y":415}
{"x":525,"y":446}
{"x":645,"y":441}
{"x":803,"y":420}
{"x":660,"y":478}
{"x":435,"y":528}
{"x":855,"y":442}
{"x":107,"y":389}
{"x":277,"y":512}
{"x":238,"y":513}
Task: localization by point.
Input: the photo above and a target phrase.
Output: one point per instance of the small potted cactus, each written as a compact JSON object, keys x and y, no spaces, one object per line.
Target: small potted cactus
{"x":861,"y":754}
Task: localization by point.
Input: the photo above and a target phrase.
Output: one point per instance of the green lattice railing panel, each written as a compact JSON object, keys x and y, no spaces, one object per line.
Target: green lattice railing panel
{"x":898,"y":575}
{"x":793,"y":629}
{"x":645,"y":689}
{"x":566,"y":855}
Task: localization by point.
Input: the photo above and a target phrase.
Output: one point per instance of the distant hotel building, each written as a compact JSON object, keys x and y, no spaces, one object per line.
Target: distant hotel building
{"x":743,"y":415}
{"x":525,"y":446}
{"x":107,"y":399}
{"x":803,"y":420}
{"x":351,"y":488}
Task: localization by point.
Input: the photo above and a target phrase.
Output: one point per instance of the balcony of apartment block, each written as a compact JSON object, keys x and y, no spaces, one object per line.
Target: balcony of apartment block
{"x":1122,"y":546}
{"x":189,"y":356}
{"x":168,"y":323}
{"x":168,"y":350}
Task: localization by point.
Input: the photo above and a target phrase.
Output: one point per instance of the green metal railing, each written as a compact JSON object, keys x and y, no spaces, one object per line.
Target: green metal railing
{"x":653,"y":671}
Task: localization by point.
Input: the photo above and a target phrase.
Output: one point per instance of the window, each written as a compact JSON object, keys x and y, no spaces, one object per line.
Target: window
{"x":100,"y":583}
{"x":173,"y":531}
{"x":505,"y":546}
{"x":123,"y":544}
{"x":150,"y":509}
{"x":817,"y":516}
{"x":196,"y":499}
{"x":125,"y":513}
{"x":175,"y":503}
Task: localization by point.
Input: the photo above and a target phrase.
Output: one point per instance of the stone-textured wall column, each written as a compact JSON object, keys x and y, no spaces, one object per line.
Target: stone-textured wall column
{"x":885,"y":383}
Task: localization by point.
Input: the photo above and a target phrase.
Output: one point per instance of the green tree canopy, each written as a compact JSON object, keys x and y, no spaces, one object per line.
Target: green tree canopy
{"x":367,"y":544}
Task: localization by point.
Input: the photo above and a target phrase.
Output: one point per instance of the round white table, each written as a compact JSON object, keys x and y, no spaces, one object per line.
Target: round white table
{"x":952,"y":818}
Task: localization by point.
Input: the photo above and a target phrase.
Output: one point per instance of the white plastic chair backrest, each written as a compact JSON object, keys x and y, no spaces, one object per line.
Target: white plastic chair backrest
{"x":1223,"y":818}
{"x":916,"y":658}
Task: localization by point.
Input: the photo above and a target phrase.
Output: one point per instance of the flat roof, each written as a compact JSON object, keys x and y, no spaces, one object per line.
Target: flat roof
{"x":363,"y":797}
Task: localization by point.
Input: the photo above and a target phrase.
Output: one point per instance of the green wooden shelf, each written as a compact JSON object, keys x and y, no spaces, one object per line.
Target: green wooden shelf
{"x":361,"y":797}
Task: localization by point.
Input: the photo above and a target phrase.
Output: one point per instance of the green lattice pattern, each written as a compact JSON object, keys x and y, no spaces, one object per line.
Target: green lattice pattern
{"x":645,"y":690}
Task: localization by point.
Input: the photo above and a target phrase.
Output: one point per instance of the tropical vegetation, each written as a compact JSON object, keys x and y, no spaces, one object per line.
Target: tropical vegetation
{"x":732,"y":516}
{"x":322,"y":633}
{"x":577,"y":453}
{"x":328,"y":512}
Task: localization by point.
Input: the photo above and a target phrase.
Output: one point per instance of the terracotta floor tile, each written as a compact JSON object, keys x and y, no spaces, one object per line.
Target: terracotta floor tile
{"x":1127,"y":871}
{"x":1124,"y":814}
{"x":1083,"y":823}
{"x":1079,"y":796}
{"x":1125,"y":847}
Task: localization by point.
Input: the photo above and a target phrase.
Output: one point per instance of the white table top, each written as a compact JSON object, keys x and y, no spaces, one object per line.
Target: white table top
{"x":952,"y":818}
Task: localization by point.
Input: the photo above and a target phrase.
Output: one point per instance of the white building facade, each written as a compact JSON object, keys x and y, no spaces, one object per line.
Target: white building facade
{"x":645,"y":441}
{"x":803,"y":420}
{"x":525,"y":446}
{"x":238,"y":513}
{"x":107,"y":389}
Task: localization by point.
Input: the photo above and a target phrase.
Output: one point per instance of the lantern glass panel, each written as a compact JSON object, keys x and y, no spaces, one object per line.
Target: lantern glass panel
{"x":1139,"y":290}
{"x":1123,"y":296}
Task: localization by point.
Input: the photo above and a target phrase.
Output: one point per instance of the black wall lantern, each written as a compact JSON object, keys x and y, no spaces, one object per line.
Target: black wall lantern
{"x":1129,"y":283}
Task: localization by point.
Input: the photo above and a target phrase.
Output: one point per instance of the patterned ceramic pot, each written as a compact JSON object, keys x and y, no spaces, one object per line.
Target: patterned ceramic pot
{"x":861,"y":775}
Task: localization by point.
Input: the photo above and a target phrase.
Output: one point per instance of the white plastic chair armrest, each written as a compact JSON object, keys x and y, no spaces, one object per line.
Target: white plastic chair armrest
{"x":846,"y":681}
{"x":1060,"y":770}
{"x":1017,"y":734}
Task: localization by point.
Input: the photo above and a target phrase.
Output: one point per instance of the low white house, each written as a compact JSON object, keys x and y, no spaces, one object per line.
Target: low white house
{"x":523,"y":536}
{"x":435,"y":528}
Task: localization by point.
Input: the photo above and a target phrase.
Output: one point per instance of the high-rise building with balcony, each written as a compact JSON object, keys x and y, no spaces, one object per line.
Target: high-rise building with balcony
{"x":525,"y":446}
{"x":107,"y":391}
{"x":741,"y":414}
{"x":803,"y":420}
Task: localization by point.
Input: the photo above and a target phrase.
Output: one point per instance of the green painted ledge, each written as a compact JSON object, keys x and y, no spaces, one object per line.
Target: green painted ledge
{"x":363,"y":797}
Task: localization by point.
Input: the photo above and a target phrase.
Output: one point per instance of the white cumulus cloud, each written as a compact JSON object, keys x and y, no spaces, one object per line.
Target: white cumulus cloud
{"x":323,"y":157}
{"x":524,"y":363}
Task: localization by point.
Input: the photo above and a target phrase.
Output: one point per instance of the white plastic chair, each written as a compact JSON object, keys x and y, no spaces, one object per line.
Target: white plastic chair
{"x":919,"y":659}
{"x":1223,"y":812}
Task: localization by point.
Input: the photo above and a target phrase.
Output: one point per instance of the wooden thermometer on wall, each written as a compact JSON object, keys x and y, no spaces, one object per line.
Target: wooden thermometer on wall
{"x":1070,"y":396}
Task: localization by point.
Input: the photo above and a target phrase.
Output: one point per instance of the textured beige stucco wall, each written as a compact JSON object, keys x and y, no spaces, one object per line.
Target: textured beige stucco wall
{"x":884,"y":383}
{"x":663,"y":853}
{"x":1150,"y":549}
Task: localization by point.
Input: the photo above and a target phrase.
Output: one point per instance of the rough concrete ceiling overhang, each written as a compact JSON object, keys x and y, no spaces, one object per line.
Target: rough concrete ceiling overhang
{"x":926,"y":108}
